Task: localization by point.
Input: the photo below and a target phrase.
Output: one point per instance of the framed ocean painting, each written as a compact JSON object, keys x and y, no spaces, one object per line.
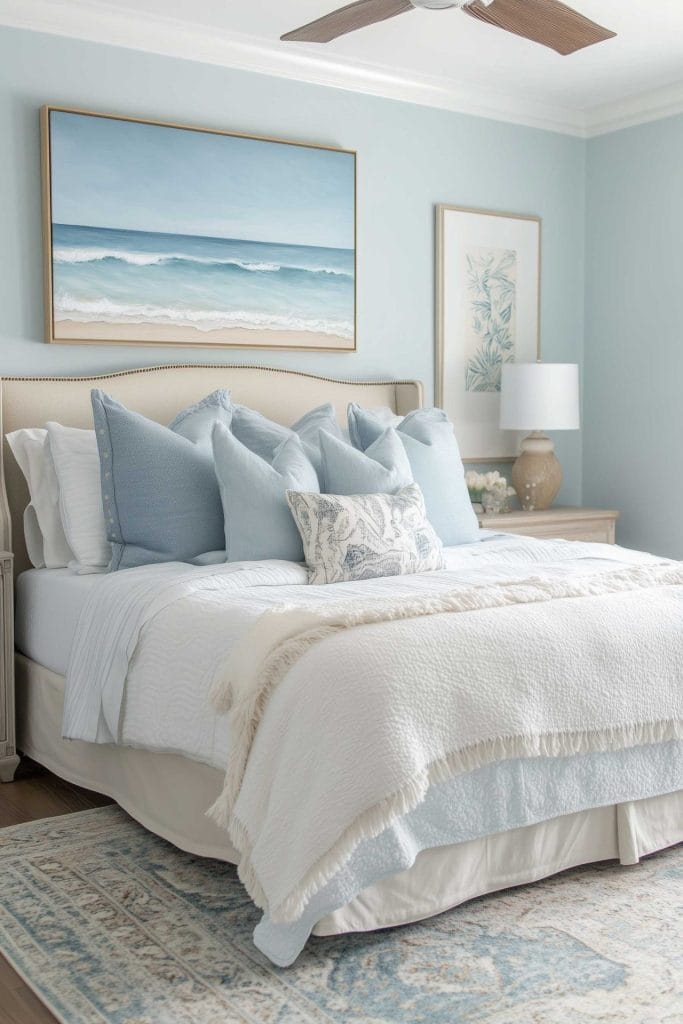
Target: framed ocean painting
{"x":173,"y":235}
{"x":488,"y":285}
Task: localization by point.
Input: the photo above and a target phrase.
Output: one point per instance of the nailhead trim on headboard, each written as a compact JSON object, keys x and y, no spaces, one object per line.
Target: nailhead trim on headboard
{"x":215,"y":366}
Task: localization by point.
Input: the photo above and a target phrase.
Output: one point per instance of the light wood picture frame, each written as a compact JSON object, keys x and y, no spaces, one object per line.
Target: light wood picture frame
{"x":158,"y":233}
{"x":488,"y":294}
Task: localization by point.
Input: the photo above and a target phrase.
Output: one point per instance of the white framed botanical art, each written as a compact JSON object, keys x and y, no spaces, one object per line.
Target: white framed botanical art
{"x":488,"y":277}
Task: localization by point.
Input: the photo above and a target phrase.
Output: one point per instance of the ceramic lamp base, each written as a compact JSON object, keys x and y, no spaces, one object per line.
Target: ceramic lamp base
{"x":537,"y":474}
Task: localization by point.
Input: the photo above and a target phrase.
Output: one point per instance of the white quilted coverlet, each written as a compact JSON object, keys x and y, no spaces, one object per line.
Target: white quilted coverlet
{"x":150,"y":640}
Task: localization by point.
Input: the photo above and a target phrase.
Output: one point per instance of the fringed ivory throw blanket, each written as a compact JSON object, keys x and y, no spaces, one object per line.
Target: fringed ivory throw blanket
{"x":369,"y":704}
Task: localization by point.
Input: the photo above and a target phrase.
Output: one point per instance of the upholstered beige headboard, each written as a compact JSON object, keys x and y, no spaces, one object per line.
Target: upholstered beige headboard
{"x":159,"y":392}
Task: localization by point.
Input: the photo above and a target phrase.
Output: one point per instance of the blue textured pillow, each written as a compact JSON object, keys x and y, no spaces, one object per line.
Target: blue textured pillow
{"x":258,"y":523}
{"x":262,"y":436}
{"x":159,"y":490}
{"x":430,"y":444}
{"x":383,"y":468}
{"x":197,"y":421}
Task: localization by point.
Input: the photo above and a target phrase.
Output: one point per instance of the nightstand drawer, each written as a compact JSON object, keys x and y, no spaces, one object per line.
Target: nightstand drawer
{"x":581,"y":524}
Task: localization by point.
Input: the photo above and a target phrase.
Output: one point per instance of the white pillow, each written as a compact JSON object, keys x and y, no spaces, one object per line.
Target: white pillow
{"x":46,"y":543}
{"x":33,"y":538}
{"x":77,"y":465}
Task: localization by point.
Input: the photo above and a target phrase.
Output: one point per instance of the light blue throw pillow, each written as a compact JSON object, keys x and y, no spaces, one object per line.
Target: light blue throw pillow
{"x":262,"y":436}
{"x":197,"y":421}
{"x":430,"y":444}
{"x":258,"y":522}
{"x":383,"y":468}
{"x":159,"y":490}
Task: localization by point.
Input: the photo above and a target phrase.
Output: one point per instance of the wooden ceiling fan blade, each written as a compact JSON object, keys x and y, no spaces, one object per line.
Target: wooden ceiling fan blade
{"x":548,"y":22}
{"x":348,"y":19}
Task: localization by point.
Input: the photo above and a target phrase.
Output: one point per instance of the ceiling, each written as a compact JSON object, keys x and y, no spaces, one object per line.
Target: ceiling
{"x":439,"y":58}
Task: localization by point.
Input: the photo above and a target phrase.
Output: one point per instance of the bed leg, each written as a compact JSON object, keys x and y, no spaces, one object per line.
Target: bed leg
{"x":8,"y":766}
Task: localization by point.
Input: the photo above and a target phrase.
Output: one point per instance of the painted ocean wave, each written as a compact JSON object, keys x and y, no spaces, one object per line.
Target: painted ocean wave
{"x":105,"y":311}
{"x":121,"y":276}
{"x":143,"y":259}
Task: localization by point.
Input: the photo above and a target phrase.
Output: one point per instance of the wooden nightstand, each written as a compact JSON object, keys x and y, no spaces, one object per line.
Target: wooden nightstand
{"x":593,"y":524}
{"x":8,"y":753}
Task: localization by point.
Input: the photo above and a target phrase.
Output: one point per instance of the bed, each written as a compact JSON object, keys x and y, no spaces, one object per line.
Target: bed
{"x":167,"y":770}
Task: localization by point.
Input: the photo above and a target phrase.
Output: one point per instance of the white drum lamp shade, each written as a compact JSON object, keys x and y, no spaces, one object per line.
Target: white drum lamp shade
{"x":538,"y":397}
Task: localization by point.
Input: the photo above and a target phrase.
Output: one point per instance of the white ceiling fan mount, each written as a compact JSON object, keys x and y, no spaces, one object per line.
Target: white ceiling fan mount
{"x":443,"y":5}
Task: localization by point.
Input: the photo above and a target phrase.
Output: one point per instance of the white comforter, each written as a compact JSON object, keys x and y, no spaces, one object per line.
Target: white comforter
{"x":153,"y":641}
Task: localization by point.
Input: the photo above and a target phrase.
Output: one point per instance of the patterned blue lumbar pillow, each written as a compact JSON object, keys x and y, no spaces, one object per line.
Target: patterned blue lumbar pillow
{"x":159,"y":490}
{"x":432,"y":449}
{"x":362,"y":536}
{"x":258,"y":523}
{"x":382,"y":468}
{"x":262,"y":436}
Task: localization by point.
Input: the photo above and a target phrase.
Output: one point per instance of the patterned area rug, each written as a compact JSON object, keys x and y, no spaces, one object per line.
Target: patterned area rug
{"x":110,"y":924}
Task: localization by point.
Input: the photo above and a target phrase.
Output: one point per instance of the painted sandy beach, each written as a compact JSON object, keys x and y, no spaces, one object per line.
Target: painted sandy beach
{"x":157,"y":334}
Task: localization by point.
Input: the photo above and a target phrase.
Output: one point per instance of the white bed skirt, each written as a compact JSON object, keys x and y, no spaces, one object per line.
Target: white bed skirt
{"x":168,"y":794}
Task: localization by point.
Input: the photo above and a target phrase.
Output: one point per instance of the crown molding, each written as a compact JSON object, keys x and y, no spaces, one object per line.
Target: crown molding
{"x":108,"y":24}
{"x":634,"y":110}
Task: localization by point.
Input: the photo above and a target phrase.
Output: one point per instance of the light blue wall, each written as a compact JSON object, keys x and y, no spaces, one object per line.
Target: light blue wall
{"x":409,"y":158}
{"x":633,"y":371}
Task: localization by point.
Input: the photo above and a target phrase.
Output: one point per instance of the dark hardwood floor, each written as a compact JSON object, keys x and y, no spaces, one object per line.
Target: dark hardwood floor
{"x":35,"y":793}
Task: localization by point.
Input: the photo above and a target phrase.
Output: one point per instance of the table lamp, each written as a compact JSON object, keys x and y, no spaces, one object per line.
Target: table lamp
{"x":538,"y":397}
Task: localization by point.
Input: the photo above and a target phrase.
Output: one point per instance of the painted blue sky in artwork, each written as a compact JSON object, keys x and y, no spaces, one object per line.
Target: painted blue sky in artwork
{"x":124,"y":175}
